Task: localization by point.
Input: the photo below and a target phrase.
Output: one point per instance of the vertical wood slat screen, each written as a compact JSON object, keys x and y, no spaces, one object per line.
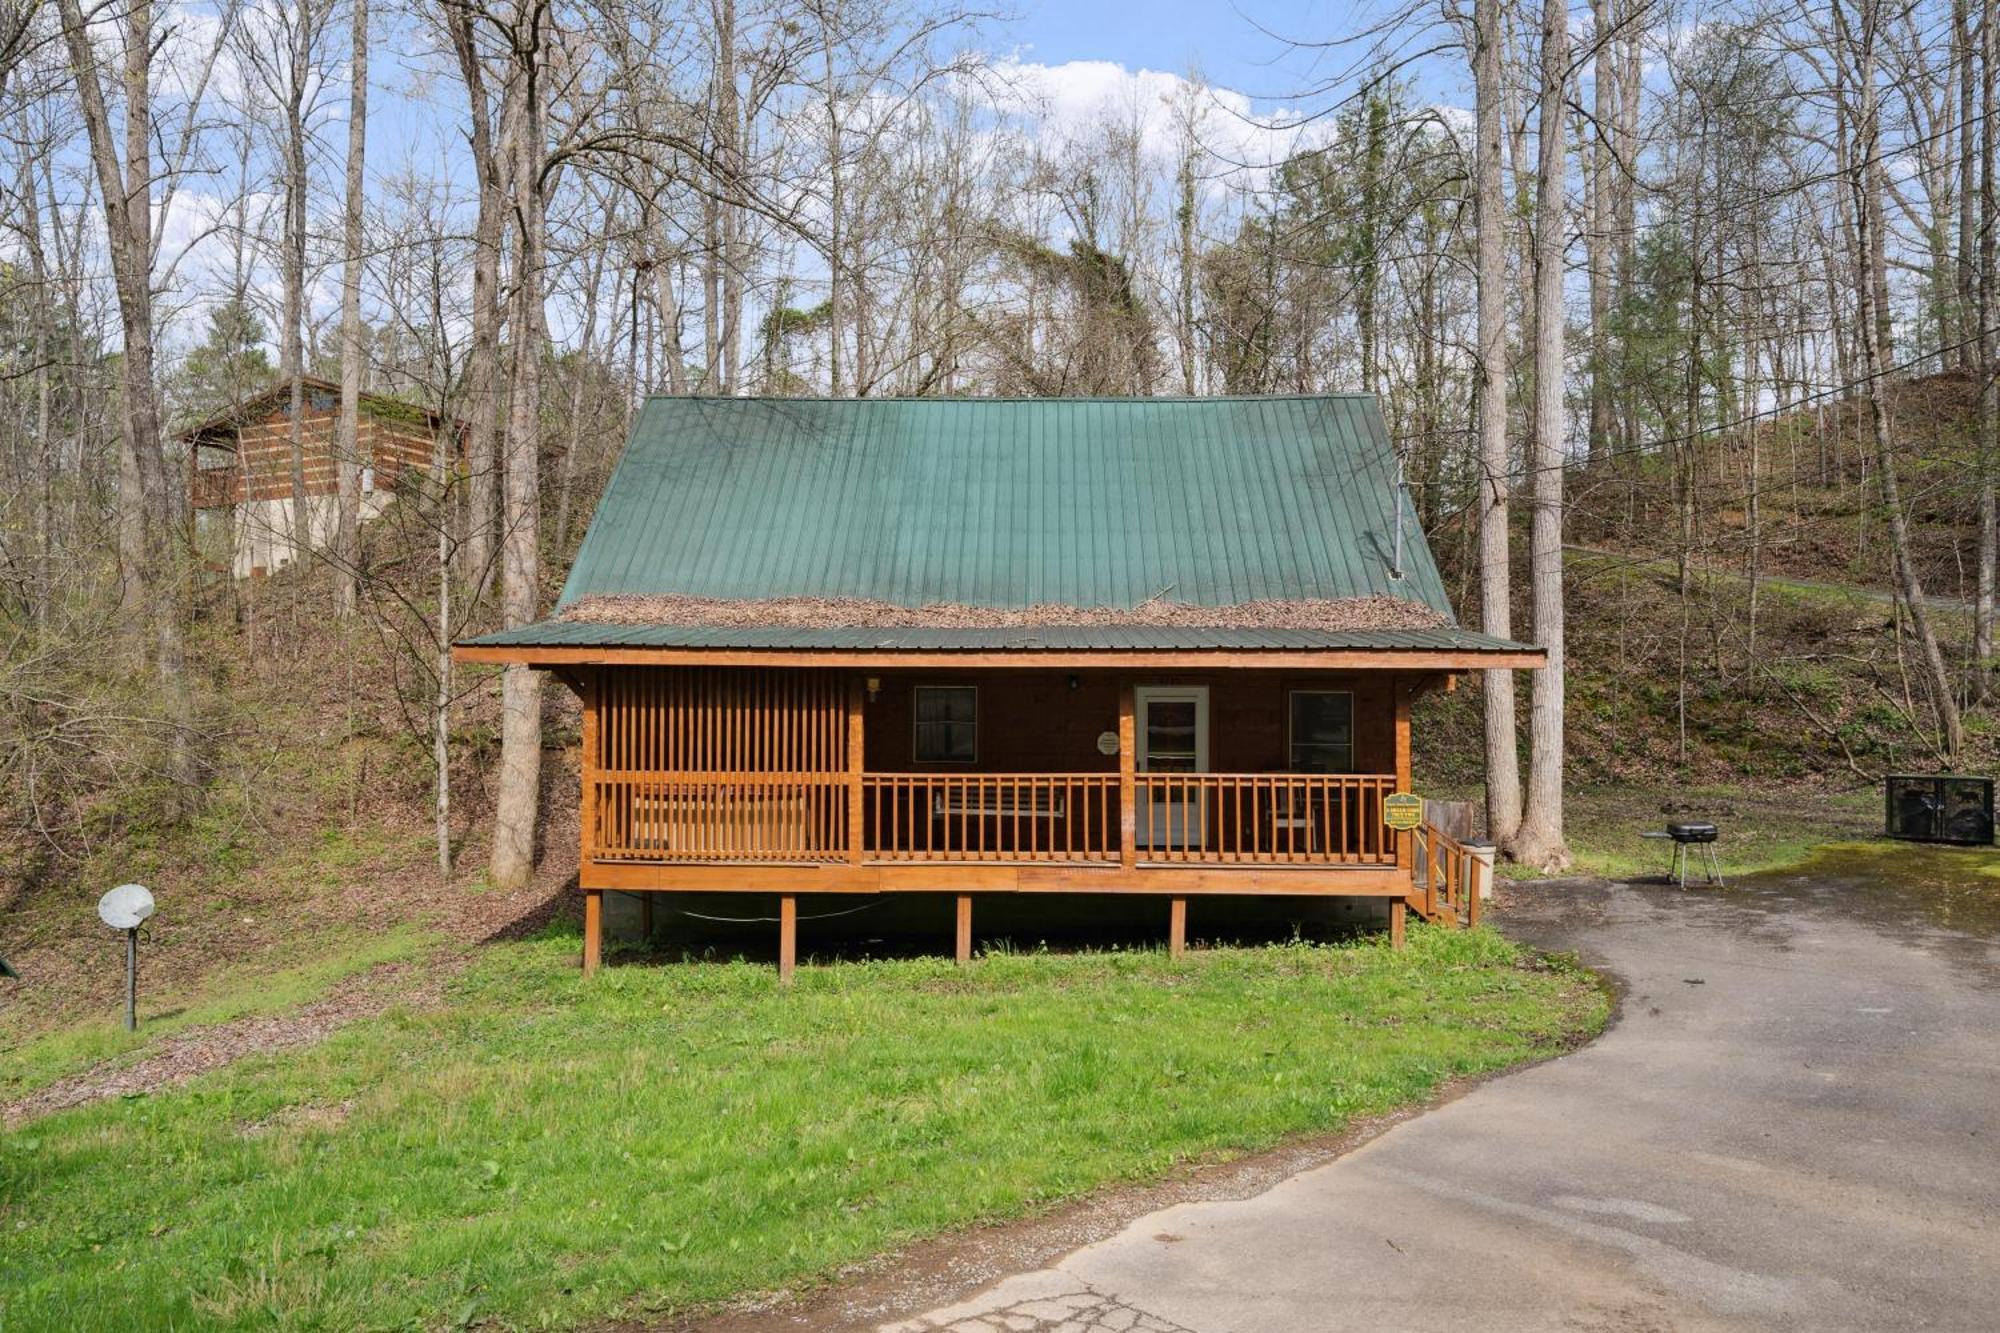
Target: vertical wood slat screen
{"x":711,"y":763}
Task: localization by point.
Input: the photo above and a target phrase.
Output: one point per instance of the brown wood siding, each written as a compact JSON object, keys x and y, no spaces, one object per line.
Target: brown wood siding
{"x":1037,"y":724}
{"x":262,"y":466}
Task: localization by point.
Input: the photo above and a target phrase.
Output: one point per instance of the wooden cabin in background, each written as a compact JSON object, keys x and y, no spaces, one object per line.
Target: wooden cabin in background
{"x":240,"y":469}
{"x":1132,"y":646}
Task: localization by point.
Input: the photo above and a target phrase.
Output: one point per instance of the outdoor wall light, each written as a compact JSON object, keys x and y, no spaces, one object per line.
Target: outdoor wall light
{"x":1075,"y":681}
{"x":874,"y":686}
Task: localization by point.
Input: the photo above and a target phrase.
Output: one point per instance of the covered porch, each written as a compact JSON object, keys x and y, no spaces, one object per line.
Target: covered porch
{"x":1271,"y":779}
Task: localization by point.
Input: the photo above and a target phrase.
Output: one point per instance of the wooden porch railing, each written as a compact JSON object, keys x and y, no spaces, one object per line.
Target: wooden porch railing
{"x":991,"y":816}
{"x":1208,"y":819}
{"x":720,"y":817}
{"x":1264,"y":818}
{"x":1446,"y":879}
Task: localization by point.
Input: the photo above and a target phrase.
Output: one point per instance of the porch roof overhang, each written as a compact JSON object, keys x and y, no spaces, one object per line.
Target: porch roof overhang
{"x":561,"y":643}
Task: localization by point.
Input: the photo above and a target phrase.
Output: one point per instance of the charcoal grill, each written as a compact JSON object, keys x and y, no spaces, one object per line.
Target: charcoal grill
{"x":1691,"y":838}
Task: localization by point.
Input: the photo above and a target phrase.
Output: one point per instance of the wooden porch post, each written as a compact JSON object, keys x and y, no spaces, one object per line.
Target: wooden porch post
{"x":1177,"y":928}
{"x":1128,"y":787}
{"x":590,"y":762}
{"x":962,"y":941}
{"x":856,"y":765}
{"x":1396,"y":910}
{"x":1405,"y":842}
{"x":1431,"y":869}
{"x":593,"y":930}
{"x":788,"y":938}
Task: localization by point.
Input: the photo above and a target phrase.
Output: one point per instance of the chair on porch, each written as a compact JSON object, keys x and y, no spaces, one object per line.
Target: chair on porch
{"x":1293,"y":824}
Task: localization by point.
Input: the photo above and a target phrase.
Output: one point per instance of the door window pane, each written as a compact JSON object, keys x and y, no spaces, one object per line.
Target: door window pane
{"x":1171,"y":742}
{"x":1322,"y":731}
{"x":947,"y":723}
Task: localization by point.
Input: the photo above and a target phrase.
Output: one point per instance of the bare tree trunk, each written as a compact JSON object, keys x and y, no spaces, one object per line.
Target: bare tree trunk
{"x":143,"y":545}
{"x":668,"y":304}
{"x":441,"y":666}
{"x":1877,"y":231}
{"x":1186,"y":254}
{"x":729,"y":111}
{"x":1970,"y":62}
{"x":291,"y":344}
{"x":1368,"y":280}
{"x":1753,"y":341}
{"x":1989,"y":386}
{"x":711,"y":290}
{"x":1539,"y":841}
{"x":44,"y":346}
{"x":836,"y":289}
{"x":584,"y":367}
{"x":1866,"y":182}
{"x":482,"y":366}
{"x":1597,"y":232}
{"x":518,"y":805}
{"x":1631,"y":89}
{"x":1503,"y":771}
{"x":347,"y":439}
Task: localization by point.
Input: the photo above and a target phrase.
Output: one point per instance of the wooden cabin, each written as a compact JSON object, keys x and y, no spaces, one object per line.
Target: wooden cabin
{"x":1128,"y":646}
{"x":240,"y":469}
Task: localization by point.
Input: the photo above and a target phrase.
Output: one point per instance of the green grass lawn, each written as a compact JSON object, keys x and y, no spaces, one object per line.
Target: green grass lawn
{"x":1760,"y":830}
{"x":34,"y":1061}
{"x":544,"y":1150}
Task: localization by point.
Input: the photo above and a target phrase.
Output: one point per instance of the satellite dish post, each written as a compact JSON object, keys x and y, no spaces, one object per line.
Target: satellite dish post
{"x":126,"y":908}
{"x":132,"y":979}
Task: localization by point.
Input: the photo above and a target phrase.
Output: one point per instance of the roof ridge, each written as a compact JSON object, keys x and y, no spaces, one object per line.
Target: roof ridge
{"x":1173,"y":398}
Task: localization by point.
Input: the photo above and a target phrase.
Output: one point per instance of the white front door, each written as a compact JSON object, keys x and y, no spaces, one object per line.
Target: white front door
{"x":1172,"y":726}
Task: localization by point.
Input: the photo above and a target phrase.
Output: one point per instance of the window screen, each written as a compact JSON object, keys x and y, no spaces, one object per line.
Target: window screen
{"x":1322,"y":731}
{"x":947,"y":723}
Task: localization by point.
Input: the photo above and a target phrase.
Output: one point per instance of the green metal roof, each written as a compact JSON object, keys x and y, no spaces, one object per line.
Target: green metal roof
{"x":1055,"y":638}
{"x":1006,"y":503}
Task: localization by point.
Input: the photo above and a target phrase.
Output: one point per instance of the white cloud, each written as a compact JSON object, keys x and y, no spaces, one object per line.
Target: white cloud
{"x":1076,"y":100}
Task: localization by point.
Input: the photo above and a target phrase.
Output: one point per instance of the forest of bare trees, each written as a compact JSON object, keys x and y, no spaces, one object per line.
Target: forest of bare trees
{"x":1600,"y":261}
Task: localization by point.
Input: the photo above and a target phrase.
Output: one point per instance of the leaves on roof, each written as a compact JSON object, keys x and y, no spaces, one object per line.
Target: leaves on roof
{"x":1342,"y":614}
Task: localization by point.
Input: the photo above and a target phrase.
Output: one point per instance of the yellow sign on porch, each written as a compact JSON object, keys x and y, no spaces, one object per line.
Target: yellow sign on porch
{"x":1403,"y":811}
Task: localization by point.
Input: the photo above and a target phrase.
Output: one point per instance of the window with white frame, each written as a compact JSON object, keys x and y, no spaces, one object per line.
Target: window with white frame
{"x":947,"y":724}
{"x":1321,"y":731}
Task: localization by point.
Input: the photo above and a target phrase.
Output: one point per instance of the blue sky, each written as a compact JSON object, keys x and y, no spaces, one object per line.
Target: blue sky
{"x":1168,"y":35}
{"x":1236,"y":44}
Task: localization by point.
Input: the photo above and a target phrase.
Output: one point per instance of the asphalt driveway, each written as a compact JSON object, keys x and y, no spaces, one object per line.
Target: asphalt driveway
{"x":1794,"y":1122}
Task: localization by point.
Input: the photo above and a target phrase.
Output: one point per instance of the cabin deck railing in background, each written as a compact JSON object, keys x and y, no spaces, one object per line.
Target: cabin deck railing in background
{"x":211,"y":487}
{"x":1192,"y":819}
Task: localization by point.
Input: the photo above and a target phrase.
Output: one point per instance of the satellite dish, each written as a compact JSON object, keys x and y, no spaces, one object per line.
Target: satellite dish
{"x":126,"y":906}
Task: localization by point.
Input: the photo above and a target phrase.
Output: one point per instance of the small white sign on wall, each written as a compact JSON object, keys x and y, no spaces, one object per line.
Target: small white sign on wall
{"x":1107,"y":742}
